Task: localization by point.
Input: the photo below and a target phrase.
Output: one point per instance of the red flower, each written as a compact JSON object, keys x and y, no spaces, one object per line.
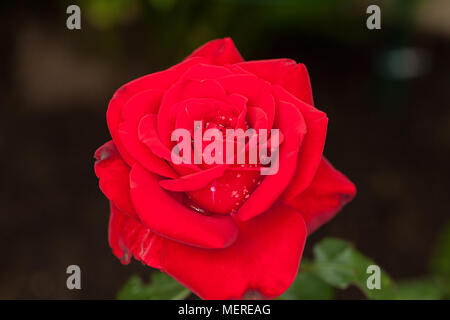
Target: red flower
{"x":224,"y":231}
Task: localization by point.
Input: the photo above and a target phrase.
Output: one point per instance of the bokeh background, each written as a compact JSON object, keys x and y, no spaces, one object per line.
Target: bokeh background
{"x":386,"y":93}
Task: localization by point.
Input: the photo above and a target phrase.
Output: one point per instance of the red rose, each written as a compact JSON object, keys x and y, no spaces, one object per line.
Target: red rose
{"x":223,"y":231}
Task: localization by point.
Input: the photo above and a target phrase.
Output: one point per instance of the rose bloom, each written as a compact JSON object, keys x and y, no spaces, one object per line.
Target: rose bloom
{"x":223,"y":231}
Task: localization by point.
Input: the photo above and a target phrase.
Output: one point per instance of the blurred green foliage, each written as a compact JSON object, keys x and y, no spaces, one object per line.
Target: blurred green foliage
{"x":340,"y":265}
{"x":309,"y":286}
{"x":337,"y":264}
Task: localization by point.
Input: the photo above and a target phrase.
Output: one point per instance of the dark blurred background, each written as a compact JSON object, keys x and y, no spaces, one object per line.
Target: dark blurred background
{"x":386,"y":93}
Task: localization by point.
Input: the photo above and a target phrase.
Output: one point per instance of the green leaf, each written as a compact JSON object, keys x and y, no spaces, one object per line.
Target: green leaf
{"x":339,"y":264}
{"x":308,"y":286}
{"x":162,"y":287}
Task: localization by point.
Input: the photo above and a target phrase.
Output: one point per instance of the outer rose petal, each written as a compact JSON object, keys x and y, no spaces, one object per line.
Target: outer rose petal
{"x":285,"y":72}
{"x":127,"y":236}
{"x":158,"y":81}
{"x":205,"y":71}
{"x":171,"y":219}
{"x":220,"y":52}
{"x":143,"y":103}
{"x":313,"y":143}
{"x":263,"y":261}
{"x":329,"y":191}
{"x":113,"y":174}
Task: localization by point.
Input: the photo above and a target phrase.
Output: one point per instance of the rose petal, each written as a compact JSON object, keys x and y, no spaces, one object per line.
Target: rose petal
{"x":148,"y":135}
{"x":257,"y":91}
{"x":168,"y":218}
{"x":292,"y":124}
{"x":247,"y":267}
{"x":226,"y":193}
{"x":313,"y":143}
{"x":247,"y":85}
{"x":113,"y":174}
{"x":257,"y":118}
{"x":266,"y":102}
{"x":285,"y":72}
{"x":264,"y":259}
{"x":182,"y":90}
{"x":127,"y":237}
{"x":329,"y":191}
{"x":194,"y":181}
{"x":158,"y":80}
{"x":205,"y":71}
{"x":220,"y":52}
{"x":143,"y":103}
